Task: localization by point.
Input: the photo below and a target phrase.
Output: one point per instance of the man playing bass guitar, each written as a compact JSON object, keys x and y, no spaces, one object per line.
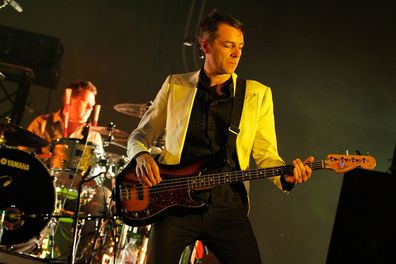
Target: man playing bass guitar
{"x":202,"y":119}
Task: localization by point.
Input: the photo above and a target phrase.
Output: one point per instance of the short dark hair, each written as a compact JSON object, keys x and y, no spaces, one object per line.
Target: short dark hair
{"x":208,"y":28}
{"x":78,"y":86}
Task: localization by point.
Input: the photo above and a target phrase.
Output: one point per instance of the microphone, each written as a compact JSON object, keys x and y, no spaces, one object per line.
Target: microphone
{"x":85,"y":132}
{"x":15,"y":5}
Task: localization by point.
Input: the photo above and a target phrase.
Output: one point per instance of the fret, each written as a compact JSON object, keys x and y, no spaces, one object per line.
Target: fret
{"x":227,"y":177}
{"x":210,"y":180}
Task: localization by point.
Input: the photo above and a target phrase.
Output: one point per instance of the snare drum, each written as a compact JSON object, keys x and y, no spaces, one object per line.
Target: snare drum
{"x":71,"y":160}
{"x":71,"y":154}
{"x":27,"y":195}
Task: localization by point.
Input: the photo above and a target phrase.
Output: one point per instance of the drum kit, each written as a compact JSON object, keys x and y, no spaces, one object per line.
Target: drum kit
{"x":58,"y":207}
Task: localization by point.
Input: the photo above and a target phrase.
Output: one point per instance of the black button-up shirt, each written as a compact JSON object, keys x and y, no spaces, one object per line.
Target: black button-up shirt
{"x":207,"y":138}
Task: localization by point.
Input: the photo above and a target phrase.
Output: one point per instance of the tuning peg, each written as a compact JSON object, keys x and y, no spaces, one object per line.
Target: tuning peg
{"x":357,"y":152}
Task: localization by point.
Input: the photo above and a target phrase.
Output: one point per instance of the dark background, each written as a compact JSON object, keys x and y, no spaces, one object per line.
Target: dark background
{"x":331,"y":66}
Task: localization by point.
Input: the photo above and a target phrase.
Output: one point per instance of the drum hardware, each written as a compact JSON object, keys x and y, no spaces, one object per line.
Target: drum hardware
{"x":133,"y":244}
{"x":51,"y":239}
{"x":113,"y":164}
{"x":105,"y":244}
{"x":76,"y":230}
{"x":70,"y":160}
{"x":2,"y":218}
{"x":119,"y":243}
{"x":31,"y":221}
{"x":77,"y":169}
{"x":76,"y":227}
{"x":113,"y":134}
{"x":135,"y":110}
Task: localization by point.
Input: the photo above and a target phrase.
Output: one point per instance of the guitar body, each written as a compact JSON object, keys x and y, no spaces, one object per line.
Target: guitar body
{"x":139,"y":205}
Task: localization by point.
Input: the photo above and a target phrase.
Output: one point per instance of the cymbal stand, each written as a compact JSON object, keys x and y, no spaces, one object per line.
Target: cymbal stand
{"x":97,"y":230}
{"x":110,"y":128}
{"x":52,"y":238}
{"x":2,"y":218}
{"x":110,"y":138}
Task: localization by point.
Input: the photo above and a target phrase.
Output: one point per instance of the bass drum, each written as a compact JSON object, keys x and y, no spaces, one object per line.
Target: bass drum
{"x":28,"y":197}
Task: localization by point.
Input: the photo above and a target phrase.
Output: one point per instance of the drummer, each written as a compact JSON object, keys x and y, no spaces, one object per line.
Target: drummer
{"x":51,"y":126}
{"x":70,"y":122}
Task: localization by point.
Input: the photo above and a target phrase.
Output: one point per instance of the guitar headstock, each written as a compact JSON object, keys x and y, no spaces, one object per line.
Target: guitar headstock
{"x":343,"y":163}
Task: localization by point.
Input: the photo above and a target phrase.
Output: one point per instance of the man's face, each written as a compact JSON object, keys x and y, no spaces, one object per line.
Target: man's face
{"x":81,"y":106}
{"x":223,"y":53}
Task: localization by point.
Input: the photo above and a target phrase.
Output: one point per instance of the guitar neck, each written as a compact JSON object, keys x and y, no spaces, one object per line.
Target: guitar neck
{"x":211,"y":180}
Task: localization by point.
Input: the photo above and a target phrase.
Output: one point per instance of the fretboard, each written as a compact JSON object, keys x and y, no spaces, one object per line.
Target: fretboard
{"x":210,"y":180}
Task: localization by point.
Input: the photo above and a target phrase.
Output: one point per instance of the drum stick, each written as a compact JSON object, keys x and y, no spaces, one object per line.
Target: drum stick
{"x":96,"y":114}
{"x":68,"y":92}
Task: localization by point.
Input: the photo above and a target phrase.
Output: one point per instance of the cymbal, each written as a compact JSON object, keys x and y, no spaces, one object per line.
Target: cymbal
{"x":135,"y":110}
{"x":117,"y":135}
{"x":14,"y":135}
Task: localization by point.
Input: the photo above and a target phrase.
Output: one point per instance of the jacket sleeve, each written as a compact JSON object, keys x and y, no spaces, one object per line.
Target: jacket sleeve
{"x":151,"y":125}
{"x":265,"y":151}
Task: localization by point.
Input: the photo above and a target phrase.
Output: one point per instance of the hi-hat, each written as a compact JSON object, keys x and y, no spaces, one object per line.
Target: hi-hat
{"x":135,"y":110}
{"x":13,"y":135}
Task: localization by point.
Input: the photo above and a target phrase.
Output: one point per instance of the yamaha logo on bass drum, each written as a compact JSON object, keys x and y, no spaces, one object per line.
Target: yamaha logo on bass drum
{"x":14,"y":164}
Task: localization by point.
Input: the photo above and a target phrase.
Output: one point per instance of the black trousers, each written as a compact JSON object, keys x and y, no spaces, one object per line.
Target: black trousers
{"x":226,"y":231}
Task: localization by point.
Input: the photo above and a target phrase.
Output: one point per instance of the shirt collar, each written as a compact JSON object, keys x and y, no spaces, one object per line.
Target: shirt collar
{"x":58,"y":116}
{"x":204,"y":82}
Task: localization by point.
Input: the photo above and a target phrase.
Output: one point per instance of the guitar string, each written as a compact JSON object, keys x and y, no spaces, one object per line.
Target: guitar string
{"x":181,"y":183}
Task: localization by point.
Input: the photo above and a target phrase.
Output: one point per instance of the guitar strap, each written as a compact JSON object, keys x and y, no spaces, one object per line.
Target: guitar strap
{"x":235,"y":118}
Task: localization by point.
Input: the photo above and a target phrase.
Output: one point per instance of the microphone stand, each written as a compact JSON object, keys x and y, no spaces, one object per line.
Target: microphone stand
{"x":84,"y":132}
{"x":76,"y":219}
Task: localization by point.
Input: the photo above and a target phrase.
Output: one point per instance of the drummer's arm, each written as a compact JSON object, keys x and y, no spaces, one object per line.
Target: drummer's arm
{"x":38,"y":127}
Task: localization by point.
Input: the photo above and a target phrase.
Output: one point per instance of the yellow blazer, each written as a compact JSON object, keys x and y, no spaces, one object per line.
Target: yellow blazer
{"x":170,"y":114}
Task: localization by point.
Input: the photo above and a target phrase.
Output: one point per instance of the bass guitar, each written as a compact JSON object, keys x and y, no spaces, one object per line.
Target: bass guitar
{"x":139,"y":204}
